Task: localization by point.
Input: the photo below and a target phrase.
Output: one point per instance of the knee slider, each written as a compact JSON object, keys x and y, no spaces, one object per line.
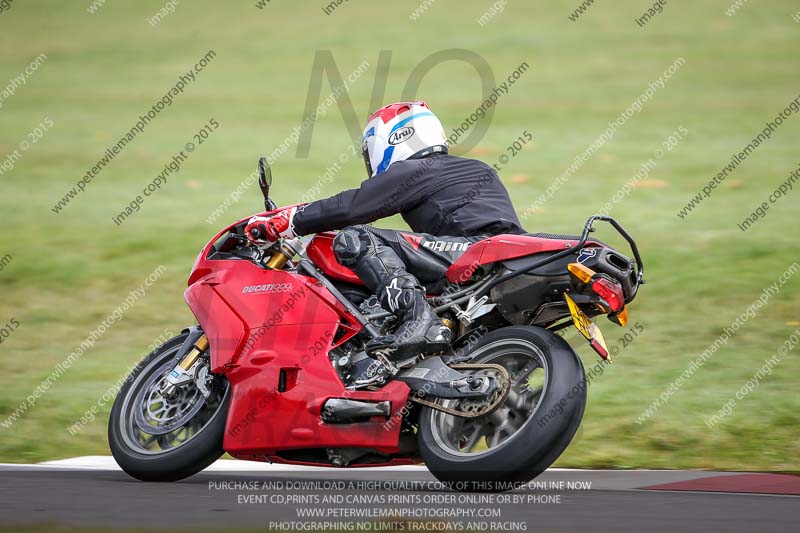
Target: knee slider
{"x":347,"y":246}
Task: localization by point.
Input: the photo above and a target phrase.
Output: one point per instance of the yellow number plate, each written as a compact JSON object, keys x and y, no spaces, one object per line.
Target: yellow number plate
{"x":588,"y":329}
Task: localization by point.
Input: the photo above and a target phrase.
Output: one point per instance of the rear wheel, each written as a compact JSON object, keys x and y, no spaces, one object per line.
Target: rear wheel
{"x":156,"y":439}
{"x":527,"y":432}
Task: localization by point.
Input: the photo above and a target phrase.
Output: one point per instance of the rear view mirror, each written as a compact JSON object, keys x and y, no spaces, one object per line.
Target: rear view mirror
{"x":265,"y":181}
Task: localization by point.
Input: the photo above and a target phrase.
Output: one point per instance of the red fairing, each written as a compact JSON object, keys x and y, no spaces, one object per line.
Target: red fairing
{"x":262,"y":324}
{"x":500,"y":248}
{"x":320,"y":251}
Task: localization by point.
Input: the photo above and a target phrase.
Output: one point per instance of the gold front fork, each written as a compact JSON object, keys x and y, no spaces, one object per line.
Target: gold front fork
{"x":287,"y":250}
{"x":278,"y":260}
{"x":200,"y":346}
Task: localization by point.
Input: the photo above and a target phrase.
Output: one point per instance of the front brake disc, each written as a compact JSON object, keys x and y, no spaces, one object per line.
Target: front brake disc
{"x":156,"y":415}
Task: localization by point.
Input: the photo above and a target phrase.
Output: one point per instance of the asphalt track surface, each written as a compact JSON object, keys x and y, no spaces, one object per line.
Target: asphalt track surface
{"x":101,"y":496}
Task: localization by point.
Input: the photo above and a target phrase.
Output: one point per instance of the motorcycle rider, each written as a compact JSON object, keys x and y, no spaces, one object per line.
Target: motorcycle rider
{"x":449,"y":202}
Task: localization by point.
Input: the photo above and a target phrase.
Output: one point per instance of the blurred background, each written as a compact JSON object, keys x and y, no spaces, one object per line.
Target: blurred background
{"x":75,"y":78}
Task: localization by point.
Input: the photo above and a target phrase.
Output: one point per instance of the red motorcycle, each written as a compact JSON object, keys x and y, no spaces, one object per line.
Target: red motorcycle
{"x":276,"y":370}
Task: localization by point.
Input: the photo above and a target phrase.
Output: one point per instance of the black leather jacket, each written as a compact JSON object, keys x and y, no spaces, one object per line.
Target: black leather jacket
{"x":439,"y":194}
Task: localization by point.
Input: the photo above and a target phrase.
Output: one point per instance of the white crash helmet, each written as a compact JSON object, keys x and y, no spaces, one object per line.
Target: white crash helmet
{"x":400,"y":131}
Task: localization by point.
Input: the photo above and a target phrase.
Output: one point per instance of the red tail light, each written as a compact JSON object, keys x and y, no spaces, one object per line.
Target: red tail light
{"x":611,"y":292}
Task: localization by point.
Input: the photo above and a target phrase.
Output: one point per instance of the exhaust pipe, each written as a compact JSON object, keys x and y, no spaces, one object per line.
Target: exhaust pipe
{"x":344,"y":411}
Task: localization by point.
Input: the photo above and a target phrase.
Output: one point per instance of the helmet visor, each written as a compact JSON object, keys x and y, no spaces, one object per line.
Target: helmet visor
{"x":366,"y":149}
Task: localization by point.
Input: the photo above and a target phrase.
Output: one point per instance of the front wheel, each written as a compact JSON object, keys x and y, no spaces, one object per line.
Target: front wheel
{"x":527,"y":432}
{"x":155,"y":439}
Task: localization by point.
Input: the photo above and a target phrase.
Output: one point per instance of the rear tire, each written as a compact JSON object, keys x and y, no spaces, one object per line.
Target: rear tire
{"x":175,"y":462}
{"x":543,"y":429}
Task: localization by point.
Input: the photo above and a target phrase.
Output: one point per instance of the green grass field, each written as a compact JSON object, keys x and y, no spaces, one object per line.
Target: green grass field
{"x":68,"y":271}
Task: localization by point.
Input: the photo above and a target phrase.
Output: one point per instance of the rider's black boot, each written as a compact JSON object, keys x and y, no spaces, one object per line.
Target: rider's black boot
{"x":420,"y":333}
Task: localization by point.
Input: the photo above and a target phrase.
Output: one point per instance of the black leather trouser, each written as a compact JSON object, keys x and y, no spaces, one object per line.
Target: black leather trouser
{"x":379,"y":255}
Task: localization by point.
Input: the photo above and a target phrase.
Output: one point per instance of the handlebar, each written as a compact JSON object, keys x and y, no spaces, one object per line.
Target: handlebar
{"x":256,"y":233}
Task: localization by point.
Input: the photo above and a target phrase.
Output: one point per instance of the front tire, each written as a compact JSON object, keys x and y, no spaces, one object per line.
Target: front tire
{"x":525,"y":434}
{"x":153,"y":439}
